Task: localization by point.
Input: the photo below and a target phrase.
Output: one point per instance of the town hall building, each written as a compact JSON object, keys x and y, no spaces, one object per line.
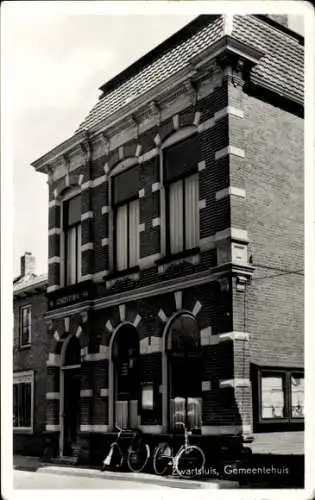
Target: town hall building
{"x":176,"y":240}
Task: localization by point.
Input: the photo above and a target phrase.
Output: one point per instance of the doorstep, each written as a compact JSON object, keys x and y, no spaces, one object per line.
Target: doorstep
{"x":169,"y":482}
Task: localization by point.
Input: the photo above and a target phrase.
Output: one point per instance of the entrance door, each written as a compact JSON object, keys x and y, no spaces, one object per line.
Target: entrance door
{"x":71,"y":409}
{"x":71,"y":383}
{"x":126,"y":383}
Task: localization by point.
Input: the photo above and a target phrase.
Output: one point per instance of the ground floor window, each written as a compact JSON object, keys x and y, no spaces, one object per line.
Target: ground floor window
{"x":184,"y":372}
{"x":281,"y":395}
{"x":23,"y":391}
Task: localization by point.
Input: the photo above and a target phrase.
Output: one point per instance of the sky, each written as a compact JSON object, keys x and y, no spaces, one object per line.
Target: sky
{"x":55,"y":64}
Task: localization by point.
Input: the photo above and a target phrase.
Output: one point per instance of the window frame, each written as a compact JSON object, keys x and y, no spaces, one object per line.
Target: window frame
{"x":28,"y":344}
{"x":116,"y":206}
{"x":24,"y":377}
{"x":65,"y":228}
{"x":179,"y":136}
{"x":181,"y":178}
{"x":286,"y":375}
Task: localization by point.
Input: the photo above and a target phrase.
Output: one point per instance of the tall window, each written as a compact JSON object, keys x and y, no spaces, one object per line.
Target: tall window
{"x":281,"y":395}
{"x":72,"y":239}
{"x":23,"y":400}
{"x":184,"y":358}
{"x":182,"y":189}
{"x":25,"y":325}
{"x":126,"y":219}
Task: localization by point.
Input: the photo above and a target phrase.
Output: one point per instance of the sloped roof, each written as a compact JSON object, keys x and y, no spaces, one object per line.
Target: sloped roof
{"x":156,"y":71}
{"x":29,"y":281}
{"x":282,"y":67}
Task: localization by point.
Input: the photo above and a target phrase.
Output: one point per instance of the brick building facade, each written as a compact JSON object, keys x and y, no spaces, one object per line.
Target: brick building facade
{"x":30,"y":350}
{"x":175,"y":284}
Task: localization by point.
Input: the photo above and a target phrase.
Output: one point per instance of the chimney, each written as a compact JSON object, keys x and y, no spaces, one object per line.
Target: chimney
{"x":27,"y":264}
{"x":280,"y":19}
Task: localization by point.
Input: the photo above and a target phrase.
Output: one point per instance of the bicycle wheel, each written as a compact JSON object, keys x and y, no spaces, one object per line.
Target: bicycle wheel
{"x":138,"y":457}
{"x":162,"y":459}
{"x":190,"y":461}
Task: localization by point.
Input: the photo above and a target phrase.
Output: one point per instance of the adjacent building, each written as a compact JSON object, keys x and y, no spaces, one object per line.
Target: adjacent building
{"x":30,"y":350}
{"x":175,"y":283}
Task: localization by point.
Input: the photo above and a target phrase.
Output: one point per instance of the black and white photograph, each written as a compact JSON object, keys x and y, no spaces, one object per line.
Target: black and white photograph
{"x":155,"y":320}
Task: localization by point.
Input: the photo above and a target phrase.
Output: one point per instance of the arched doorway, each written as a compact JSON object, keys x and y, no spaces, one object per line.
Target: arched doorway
{"x":71,"y":382}
{"x":183,"y":353}
{"x":125,"y":359}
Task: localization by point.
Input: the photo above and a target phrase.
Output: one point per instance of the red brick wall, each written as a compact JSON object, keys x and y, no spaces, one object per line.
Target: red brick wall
{"x":275,"y":209}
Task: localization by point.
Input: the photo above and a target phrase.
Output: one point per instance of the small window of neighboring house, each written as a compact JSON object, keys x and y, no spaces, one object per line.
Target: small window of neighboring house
{"x":126,"y":219}
{"x":72,"y":240}
{"x":182,"y":195}
{"x":23,"y":394}
{"x":282,"y":395}
{"x":25,"y":325}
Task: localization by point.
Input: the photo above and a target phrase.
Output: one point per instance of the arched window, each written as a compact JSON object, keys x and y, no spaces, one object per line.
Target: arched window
{"x":73,"y":351}
{"x":125,"y":356}
{"x":184,"y":367}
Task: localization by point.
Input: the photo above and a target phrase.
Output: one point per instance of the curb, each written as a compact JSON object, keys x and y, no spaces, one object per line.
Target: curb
{"x":140,"y":477}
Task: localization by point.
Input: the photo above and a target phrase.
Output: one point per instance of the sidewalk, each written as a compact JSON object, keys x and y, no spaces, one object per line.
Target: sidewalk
{"x":34,"y":464}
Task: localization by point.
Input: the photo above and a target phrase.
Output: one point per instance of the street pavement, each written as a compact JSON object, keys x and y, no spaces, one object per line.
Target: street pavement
{"x":35,"y":480}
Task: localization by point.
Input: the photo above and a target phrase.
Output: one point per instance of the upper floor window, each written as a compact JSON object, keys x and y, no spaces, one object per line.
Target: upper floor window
{"x":23,"y":390}
{"x":126,"y":219}
{"x":182,"y":195}
{"x":72,"y":240}
{"x":25,"y":325}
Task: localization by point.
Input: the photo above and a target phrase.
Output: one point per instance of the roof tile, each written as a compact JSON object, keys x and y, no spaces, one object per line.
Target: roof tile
{"x":282,"y":66}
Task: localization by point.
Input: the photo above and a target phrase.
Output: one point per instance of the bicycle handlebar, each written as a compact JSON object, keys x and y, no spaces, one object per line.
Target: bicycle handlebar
{"x":185,"y":428}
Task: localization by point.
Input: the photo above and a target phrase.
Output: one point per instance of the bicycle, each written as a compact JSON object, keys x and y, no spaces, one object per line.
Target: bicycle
{"x":188,"y":460}
{"x":135,"y":457}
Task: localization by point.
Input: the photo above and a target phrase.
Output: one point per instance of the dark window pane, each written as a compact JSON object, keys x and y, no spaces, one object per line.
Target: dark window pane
{"x":22,"y":404}
{"x":74,"y":210}
{"x":181,"y":159}
{"x":73,"y":353}
{"x":126,"y":185}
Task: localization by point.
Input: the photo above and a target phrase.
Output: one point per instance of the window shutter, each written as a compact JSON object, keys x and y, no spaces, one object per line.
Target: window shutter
{"x":192,"y":211}
{"x":176,"y":216}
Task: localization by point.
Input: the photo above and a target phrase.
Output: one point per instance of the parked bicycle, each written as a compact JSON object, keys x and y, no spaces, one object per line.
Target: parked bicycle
{"x":136,"y":456}
{"x":187,"y":462}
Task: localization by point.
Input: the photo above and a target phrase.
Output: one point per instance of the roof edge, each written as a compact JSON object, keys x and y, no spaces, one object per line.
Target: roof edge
{"x":38,"y":282}
{"x":40,"y":164}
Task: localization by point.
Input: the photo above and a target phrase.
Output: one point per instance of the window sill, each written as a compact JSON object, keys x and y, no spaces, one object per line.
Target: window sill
{"x":22,"y":430}
{"x":121,"y":274}
{"x":24,"y":346}
{"x":284,"y":421}
{"x":177,"y":256}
